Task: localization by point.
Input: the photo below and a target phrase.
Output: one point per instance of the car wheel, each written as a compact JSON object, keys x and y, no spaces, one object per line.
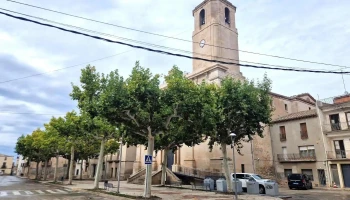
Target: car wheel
{"x":305,"y":187}
{"x":310,"y":186}
{"x":290,"y":188}
{"x":261,"y":189}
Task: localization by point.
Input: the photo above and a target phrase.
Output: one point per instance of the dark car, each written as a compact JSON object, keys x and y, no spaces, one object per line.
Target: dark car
{"x":299,"y":181}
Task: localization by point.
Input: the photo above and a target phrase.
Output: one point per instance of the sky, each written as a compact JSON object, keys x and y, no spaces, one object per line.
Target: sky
{"x":314,"y":30}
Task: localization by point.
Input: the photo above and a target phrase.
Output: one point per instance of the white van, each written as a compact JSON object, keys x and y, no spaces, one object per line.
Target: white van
{"x":244,"y":177}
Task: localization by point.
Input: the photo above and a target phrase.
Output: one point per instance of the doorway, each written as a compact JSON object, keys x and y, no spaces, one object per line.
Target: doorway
{"x":321,"y":177}
{"x":335,"y":174}
{"x":346,"y":174}
{"x":170,"y":160}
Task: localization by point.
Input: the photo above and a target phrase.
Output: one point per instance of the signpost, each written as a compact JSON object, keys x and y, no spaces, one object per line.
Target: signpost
{"x":148,"y":159}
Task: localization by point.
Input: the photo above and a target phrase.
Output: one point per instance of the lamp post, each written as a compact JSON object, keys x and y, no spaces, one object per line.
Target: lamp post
{"x":120,"y":161}
{"x":233,"y":135}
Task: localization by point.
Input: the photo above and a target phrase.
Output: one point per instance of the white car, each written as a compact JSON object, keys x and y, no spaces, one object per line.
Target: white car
{"x":245,"y":177}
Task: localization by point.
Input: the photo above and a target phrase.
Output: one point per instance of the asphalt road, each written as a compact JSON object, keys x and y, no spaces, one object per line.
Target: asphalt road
{"x":12,"y":187}
{"x":316,"y":194}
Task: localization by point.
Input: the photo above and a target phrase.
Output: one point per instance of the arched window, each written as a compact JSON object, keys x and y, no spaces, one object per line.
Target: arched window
{"x":202,"y":17}
{"x":227,"y":15}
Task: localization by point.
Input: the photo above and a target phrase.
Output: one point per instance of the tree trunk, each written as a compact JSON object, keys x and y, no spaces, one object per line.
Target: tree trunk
{"x":55,"y":173}
{"x":45,"y":170}
{"x":37,"y":170}
{"x":226,"y":170}
{"x":164,"y":165}
{"x":148,"y":179}
{"x":68,"y":167}
{"x":28,"y":168}
{"x":71,"y":169}
{"x":81,"y":169}
{"x":99,"y":165}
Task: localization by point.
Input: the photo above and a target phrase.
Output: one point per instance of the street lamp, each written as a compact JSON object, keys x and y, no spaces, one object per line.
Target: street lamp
{"x":233,"y":135}
{"x":120,"y":160}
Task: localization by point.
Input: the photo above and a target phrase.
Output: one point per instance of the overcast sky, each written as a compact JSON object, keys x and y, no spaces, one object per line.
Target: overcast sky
{"x":316,"y":30}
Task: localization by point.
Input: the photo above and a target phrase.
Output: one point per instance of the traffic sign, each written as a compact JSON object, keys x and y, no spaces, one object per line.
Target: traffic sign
{"x":148,"y":159}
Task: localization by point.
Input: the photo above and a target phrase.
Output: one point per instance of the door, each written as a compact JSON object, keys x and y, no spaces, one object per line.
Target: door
{"x":346,"y":174}
{"x":112,"y":172}
{"x":335,"y":174}
{"x":170,"y":160}
{"x":339,"y":149}
{"x":321,"y":177}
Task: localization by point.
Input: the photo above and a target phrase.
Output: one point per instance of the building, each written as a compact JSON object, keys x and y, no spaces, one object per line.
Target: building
{"x":6,"y":163}
{"x":334,"y":115}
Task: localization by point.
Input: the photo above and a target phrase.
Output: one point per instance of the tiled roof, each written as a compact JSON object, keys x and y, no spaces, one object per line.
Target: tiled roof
{"x":3,"y":155}
{"x":297,"y":115}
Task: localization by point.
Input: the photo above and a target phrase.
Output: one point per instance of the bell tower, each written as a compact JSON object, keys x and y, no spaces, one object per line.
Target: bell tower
{"x":215,"y":37}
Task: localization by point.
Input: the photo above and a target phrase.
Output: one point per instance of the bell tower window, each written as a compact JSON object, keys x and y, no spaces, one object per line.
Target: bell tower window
{"x":202,"y":17}
{"x":227,"y":15}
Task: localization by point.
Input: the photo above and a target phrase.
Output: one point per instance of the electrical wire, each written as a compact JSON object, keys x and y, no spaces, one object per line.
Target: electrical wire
{"x":170,"y":37}
{"x":169,"y":53}
{"x":145,"y":43}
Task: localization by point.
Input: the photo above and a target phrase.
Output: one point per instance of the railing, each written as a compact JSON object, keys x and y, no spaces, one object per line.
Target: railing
{"x":283,"y":137}
{"x":296,"y":157}
{"x":338,"y":154}
{"x":200,"y":173}
{"x":340,"y":126}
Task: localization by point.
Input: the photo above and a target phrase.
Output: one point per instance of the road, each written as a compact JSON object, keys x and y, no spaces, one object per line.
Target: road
{"x":12,"y":187}
{"x":316,"y":194}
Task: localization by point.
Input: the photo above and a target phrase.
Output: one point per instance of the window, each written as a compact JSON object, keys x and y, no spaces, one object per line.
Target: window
{"x":241,"y":176}
{"x":285,"y":107}
{"x":202,"y":17}
{"x":242,"y":168}
{"x":227,"y":15}
{"x":287,"y":172}
{"x":77,"y":172}
{"x":283,"y":133}
{"x":334,"y":119}
{"x":303,"y":131}
{"x":307,"y":152}
{"x":348,"y":118}
{"x":339,"y":149}
{"x":5,"y":158}
{"x":309,"y":173}
{"x":309,"y":108}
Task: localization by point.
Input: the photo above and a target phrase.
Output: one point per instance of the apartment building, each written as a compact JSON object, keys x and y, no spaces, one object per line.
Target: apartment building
{"x":334,"y":114}
{"x":297,"y":143}
{"x":6,"y":164}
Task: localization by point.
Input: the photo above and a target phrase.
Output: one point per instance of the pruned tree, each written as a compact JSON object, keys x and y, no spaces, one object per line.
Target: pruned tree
{"x":241,"y":107}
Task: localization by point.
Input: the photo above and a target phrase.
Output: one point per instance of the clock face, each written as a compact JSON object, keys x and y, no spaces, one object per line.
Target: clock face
{"x":202,"y":43}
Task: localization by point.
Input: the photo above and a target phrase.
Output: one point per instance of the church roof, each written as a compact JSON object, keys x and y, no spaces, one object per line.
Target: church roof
{"x":297,"y":115}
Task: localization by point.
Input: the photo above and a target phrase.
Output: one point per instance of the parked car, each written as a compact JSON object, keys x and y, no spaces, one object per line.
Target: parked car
{"x":244,"y":178}
{"x":299,"y":181}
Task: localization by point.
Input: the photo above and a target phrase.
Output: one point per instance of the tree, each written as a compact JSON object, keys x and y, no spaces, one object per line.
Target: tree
{"x":241,"y":107}
{"x":89,"y":103}
{"x":70,"y":128}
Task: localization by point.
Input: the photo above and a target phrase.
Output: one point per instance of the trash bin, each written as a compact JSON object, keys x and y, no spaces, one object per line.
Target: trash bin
{"x":221,"y":185}
{"x":239,"y":186}
{"x":208,"y":184}
{"x":252,"y":187}
{"x":271,"y":188}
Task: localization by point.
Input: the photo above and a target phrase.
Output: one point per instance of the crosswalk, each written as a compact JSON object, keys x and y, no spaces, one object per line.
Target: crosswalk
{"x":33,"y":192}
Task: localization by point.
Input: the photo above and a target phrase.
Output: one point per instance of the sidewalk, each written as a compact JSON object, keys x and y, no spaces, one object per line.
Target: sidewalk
{"x":164,"y":192}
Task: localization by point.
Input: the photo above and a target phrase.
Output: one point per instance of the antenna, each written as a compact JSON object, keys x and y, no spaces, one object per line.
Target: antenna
{"x":346,"y":92}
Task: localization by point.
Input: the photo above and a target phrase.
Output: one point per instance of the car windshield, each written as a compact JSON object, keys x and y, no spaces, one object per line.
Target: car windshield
{"x":295,"y":176}
{"x":257,"y":177}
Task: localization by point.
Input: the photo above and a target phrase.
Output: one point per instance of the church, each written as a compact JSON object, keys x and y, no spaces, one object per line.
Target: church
{"x":215,"y":36}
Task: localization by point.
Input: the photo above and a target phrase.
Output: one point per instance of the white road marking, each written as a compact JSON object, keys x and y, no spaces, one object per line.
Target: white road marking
{"x":51,"y":191}
{"x":39,"y":191}
{"x":16,"y":193}
{"x":61,"y":191}
{"x":2,"y":194}
{"x":28,"y":192}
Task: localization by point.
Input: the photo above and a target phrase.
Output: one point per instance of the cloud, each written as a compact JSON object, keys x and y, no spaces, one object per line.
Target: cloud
{"x":309,"y":30}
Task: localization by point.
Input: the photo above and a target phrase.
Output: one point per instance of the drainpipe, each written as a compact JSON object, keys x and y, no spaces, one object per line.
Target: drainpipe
{"x":324,"y":142}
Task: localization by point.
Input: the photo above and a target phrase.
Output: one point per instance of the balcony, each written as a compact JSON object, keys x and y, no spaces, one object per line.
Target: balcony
{"x":296,"y":157}
{"x":336,"y":127}
{"x":338,"y":155}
